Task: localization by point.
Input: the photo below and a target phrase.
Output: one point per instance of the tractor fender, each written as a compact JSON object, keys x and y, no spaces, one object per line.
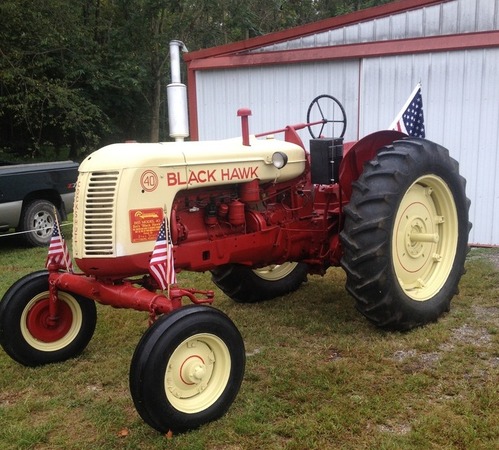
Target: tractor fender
{"x":356,"y":155}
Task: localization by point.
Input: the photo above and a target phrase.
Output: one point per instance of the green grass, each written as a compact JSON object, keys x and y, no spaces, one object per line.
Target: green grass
{"x":318,"y":375}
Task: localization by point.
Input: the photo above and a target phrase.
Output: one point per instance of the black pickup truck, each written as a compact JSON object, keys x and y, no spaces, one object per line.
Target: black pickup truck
{"x":31,"y":193}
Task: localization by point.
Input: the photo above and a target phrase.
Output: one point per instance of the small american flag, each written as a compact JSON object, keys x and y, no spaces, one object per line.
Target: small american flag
{"x":161,"y":264}
{"x":58,"y":250}
{"x":410,"y":119}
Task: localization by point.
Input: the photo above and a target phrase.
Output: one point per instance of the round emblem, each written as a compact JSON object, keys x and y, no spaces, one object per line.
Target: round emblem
{"x":149,"y":181}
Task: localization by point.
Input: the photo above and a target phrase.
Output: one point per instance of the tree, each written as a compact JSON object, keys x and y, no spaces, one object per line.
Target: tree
{"x":78,"y":74}
{"x":66,"y":77}
{"x":43,"y":98}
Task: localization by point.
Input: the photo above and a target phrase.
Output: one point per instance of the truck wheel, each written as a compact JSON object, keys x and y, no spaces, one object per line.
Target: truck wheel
{"x":245,"y":285}
{"x":187,"y":369}
{"x":25,"y":333}
{"x":405,"y":235}
{"x":37,"y":221}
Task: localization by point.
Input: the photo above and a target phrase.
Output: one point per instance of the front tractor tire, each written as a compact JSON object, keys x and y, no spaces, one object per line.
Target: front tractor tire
{"x":187,"y":369}
{"x":405,"y":235}
{"x":245,"y":285}
{"x":27,"y":335}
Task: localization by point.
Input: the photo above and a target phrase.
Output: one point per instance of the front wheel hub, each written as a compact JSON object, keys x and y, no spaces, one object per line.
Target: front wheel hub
{"x":197,"y":373}
{"x":46,"y":328}
{"x":193,"y":370}
{"x":46,"y":333}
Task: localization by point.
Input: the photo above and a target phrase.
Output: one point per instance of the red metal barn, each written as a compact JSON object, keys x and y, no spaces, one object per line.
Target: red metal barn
{"x":370,"y":60}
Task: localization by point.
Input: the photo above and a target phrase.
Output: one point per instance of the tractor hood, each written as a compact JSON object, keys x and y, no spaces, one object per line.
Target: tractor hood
{"x":198,"y":164}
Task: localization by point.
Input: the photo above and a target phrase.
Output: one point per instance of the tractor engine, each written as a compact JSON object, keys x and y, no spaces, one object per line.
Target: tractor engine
{"x":248,"y":224}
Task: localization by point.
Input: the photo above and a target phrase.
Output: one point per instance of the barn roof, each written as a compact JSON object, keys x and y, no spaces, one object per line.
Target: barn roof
{"x":265,"y":50}
{"x":309,"y":29}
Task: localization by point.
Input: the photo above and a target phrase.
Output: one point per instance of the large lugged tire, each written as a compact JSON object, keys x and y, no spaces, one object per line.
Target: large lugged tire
{"x":405,"y":235}
{"x":28,"y":337}
{"x":187,"y":369}
{"x":245,"y":285}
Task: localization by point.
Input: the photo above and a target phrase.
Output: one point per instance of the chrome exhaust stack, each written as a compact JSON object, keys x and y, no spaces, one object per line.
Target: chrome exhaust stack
{"x":176,"y":93}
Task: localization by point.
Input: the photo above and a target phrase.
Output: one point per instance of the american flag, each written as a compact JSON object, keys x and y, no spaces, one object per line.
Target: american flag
{"x":58,"y":250}
{"x":410,"y":120}
{"x":161,"y":264}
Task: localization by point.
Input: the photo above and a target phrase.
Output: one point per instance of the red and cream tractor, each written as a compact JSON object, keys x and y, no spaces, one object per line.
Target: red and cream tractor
{"x":259,"y":213}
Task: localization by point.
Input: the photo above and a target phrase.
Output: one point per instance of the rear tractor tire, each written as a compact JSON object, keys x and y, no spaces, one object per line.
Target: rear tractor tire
{"x":245,"y":285}
{"x":405,"y":235}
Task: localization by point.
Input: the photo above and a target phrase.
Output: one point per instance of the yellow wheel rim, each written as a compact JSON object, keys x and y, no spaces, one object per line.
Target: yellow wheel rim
{"x":197,"y":373}
{"x":276,"y":272}
{"x":425,"y":238}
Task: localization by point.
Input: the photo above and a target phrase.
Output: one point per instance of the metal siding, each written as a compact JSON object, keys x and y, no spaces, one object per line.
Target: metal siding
{"x":322,"y":40}
{"x":336,"y":37}
{"x":278,"y":96}
{"x":487,"y":203}
{"x":466,"y":15}
{"x":386,"y":84}
{"x":415,"y":23}
{"x":461,"y":108}
{"x":450,"y":24}
{"x":488,"y":11}
{"x":459,"y":16}
{"x":366,"y":31}
{"x":432,"y":21}
{"x":352,"y":34}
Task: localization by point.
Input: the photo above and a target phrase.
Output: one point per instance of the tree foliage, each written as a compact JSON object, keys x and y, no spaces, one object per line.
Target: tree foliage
{"x":82,"y":73}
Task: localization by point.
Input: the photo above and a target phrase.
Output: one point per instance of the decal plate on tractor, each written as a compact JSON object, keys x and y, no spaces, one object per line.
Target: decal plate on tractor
{"x":144,"y":224}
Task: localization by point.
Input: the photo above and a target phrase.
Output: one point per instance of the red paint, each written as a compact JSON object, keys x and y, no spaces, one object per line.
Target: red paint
{"x":40,"y":325}
{"x":357,"y":154}
{"x":352,"y":51}
{"x":126,"y":294}
{"x":244,"y":113}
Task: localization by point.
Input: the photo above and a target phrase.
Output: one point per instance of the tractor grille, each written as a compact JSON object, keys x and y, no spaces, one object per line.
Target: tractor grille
{"x":100,"y":213}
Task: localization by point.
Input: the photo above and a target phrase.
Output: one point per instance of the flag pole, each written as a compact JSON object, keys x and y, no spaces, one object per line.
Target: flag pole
{"x":64,"y":254}
{"x":161,"y":264}
{"x":169,"y":246}
{"x":167,"y":225}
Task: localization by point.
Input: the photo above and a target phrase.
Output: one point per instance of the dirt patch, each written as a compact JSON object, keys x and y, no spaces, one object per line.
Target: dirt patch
{"x":489,"y":314}
{"x":464,"y":335}
{"x":395,"y":428}
{"x":494,"y":257}
{"x":468,"y":335}
{"x":9,"y":398}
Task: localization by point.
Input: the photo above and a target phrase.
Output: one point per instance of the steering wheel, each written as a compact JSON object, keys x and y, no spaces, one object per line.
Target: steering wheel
{"x":326,"y":109}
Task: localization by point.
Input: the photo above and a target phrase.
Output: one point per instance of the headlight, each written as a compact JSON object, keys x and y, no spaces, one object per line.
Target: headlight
{"x":279,"y":160}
